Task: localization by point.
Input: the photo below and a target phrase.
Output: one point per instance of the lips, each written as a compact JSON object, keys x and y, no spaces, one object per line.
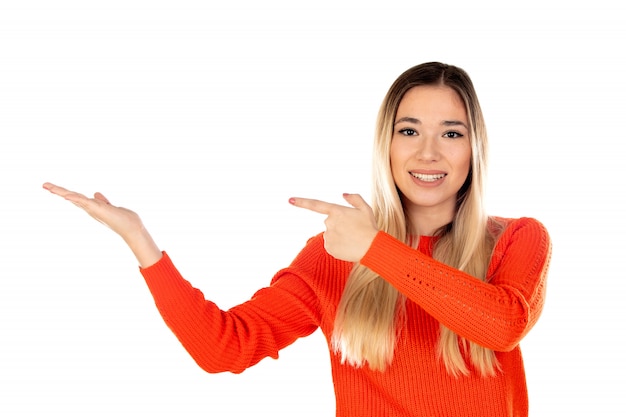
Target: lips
{"x":428,"y":177}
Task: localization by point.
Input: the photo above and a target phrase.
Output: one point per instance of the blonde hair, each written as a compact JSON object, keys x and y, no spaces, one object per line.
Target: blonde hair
{"x":371,"y":313}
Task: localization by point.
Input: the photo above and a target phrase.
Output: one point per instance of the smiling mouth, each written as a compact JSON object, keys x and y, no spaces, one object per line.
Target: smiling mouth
{"x":428,"y":177}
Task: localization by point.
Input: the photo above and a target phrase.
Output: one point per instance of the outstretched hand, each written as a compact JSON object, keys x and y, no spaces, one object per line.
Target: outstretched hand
{"x":349,"y":230}
{"x":122,"y":221}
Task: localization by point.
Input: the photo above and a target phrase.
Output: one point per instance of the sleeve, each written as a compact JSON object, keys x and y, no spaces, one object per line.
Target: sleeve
{"x":236,"y":339}
{"x":496,"y":314}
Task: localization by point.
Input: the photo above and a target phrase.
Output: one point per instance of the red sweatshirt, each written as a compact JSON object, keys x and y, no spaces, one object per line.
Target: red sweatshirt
{"x":304,"y":297}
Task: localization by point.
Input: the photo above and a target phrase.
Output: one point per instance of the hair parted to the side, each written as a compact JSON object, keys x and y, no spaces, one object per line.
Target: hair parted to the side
{"x":371,"y":313}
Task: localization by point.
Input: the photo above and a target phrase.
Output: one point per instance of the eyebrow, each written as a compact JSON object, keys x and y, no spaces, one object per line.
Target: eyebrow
{"x":418,"y":121}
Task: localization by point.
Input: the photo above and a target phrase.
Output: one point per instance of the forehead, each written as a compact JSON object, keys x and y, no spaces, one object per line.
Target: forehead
{"x":434,"y":102}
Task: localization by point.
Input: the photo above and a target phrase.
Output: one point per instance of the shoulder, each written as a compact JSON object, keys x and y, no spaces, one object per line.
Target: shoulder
{"x":524,"y":236}
{"x":314,"y":271}
{"x":314,"y":263}
{"x":526,"y":227}
{"x":313,"y":250}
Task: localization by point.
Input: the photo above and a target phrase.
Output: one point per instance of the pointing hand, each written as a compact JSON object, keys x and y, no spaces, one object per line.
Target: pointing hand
{"x":349,"y":230}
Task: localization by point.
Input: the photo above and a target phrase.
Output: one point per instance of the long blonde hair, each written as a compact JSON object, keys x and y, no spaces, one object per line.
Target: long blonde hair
{"x":371,"y":312}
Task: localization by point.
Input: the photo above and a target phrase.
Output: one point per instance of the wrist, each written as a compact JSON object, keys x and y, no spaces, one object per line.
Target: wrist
{"x":143,"y":247}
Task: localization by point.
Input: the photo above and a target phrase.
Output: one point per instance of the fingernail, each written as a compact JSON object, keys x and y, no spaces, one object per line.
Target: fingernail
{"x":292,"y":201}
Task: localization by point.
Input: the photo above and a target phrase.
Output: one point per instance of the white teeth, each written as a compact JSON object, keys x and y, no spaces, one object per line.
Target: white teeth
{"x":428,"y":177}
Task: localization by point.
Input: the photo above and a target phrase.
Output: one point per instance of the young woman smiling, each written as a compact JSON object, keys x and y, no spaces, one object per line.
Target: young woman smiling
{"x":422,"y":296}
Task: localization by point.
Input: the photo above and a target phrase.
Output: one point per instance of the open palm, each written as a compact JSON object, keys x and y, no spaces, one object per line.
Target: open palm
{"x":122,"y":221}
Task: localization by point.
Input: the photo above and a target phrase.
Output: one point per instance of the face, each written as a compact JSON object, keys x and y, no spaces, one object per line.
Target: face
{"x":430,"y":153}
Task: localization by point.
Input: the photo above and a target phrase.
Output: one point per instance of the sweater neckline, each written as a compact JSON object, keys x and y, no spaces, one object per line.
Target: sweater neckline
{"x":425,"y":243}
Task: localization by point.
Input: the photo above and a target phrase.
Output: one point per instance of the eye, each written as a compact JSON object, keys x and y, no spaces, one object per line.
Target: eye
{"x":407,"y":131}
{"x":452,"y":135}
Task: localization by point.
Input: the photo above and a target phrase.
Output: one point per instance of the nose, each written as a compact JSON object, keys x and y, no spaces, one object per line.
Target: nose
{"x":427,"y":148}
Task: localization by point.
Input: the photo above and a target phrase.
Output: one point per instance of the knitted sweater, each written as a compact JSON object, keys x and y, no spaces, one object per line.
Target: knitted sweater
{"x":304,"y":297}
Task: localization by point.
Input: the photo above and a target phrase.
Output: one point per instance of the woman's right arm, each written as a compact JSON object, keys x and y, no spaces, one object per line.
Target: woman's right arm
{"x":217,"y":340}
{"x":124,"y":222}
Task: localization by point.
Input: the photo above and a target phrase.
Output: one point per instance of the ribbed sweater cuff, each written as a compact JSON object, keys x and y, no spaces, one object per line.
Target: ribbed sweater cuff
{"x":386,"y":255}
{"x":162,"y":277}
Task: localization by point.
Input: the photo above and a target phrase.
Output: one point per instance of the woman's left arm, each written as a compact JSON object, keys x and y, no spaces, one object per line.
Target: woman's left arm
{"x":496,"y":314}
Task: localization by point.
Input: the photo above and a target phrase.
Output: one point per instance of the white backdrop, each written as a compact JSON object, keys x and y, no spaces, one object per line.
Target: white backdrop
{"x":206,"y":118}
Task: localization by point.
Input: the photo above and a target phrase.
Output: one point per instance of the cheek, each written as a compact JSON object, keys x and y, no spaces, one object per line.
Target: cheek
{"x":463,"y":164}
{"x":399,"y":152}
{"x":468,"y":161}
{"x":463,"y":160}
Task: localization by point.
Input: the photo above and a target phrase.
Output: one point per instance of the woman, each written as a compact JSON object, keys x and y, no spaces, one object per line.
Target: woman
{"x":422,"y":297}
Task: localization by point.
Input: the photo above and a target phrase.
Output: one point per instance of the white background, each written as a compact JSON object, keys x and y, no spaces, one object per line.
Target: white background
{"x":206,"y":118}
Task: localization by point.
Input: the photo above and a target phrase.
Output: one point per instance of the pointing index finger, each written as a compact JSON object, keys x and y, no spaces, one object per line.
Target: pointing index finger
{"x":317,"y":206}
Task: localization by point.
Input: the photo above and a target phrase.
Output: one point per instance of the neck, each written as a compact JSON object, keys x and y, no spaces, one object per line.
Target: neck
{"x":425,"y":221}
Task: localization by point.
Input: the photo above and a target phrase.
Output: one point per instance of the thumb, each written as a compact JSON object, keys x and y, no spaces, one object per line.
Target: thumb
{"x":101,"y":197}
{"x":356,"y":201}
